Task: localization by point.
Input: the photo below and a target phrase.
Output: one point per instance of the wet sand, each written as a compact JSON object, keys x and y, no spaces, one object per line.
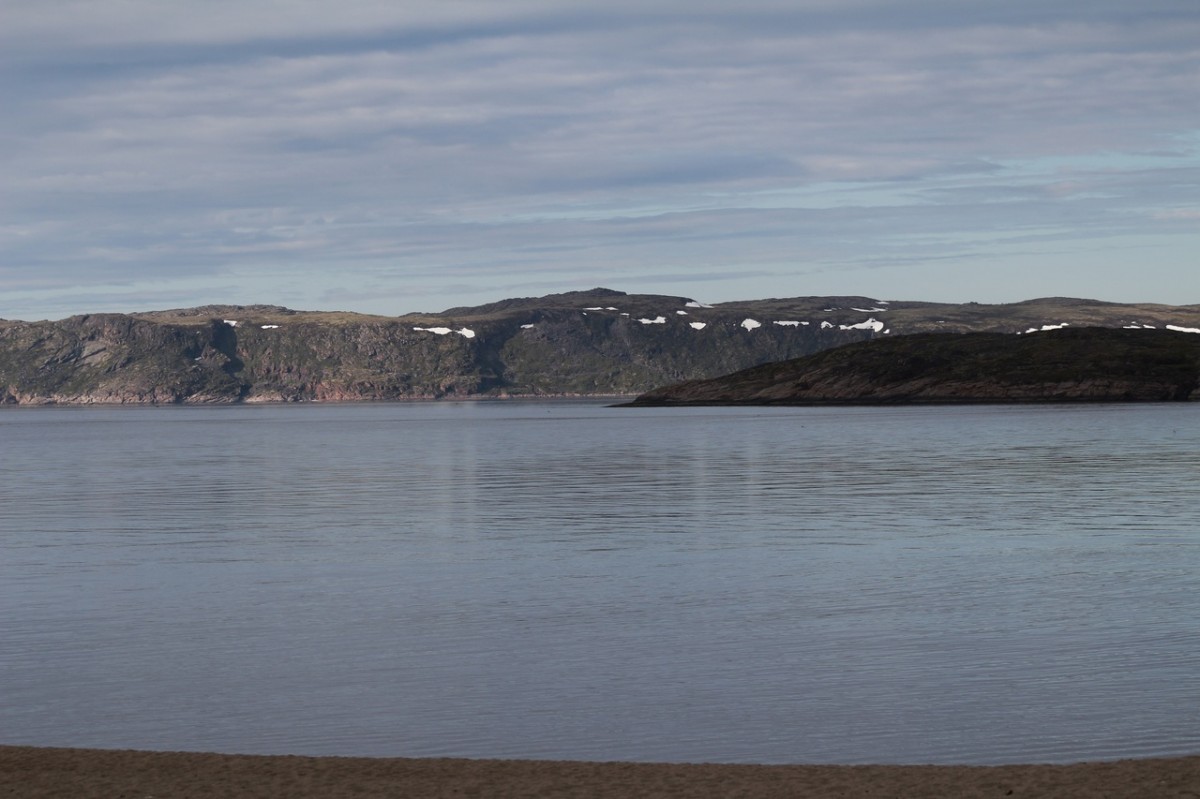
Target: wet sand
{"x":85,"y":773}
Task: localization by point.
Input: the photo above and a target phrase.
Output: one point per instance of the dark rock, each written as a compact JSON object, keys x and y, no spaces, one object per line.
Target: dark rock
{"x":1068,"y":365}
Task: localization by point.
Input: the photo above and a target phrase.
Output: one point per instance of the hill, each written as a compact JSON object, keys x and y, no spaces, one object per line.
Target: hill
{"x":1064,"y":365}
{"x":598,"y":342}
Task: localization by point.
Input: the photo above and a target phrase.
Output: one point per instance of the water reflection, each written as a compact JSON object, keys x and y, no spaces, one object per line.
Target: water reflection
{"x":566,"y":580}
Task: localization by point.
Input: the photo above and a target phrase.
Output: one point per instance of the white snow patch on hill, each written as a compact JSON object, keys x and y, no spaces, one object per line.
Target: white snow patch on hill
{"x":465,"y":332}
{"x":870,"y":324}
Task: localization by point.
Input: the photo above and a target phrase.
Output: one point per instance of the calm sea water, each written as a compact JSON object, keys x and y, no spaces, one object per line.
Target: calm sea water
{"x":567,"y":580}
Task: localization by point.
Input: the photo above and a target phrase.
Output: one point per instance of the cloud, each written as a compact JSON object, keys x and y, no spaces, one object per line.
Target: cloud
{"x":223,"y":140}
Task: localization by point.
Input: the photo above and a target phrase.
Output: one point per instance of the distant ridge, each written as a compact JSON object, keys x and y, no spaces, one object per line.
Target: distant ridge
{"x":570,"y":299}
{"x":597,"y":342}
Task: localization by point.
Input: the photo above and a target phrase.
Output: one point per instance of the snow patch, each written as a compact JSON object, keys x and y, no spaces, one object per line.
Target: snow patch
{"x":1047,"y":327}
{"x":694,"y":304}
{"x":750,"y":324}
{"x":791,"y":324}
{"x":826,"y":325}
{"x":465,"y":332}
{"x":526,"y":327}
{"x":658,"y":320}
{"x":681,"y":313}
{"x":868,"y":310}
{"x":870,"y":324}
{"x":698,"y":325}
{"x":1179,"y":329}
{"x":230,"y":322}
{"x":270,"y":327}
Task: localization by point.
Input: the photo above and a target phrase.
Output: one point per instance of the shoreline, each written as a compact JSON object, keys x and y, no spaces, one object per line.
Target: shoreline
{"x":27,"y":772}
{"x":261,"y":401}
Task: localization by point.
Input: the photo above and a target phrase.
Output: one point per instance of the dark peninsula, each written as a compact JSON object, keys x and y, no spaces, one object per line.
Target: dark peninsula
{"x":1064,"y":365}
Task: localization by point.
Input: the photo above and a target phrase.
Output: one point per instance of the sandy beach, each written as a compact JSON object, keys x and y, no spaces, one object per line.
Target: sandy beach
{"x":83,"y":773}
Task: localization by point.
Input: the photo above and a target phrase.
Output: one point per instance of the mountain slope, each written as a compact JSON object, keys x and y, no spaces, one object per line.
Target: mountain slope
{"x":598,"y":342}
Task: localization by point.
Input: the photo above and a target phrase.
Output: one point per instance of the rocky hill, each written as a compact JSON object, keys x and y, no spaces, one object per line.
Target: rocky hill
{"x":598,"y":342}
{"x":1064,"y":365}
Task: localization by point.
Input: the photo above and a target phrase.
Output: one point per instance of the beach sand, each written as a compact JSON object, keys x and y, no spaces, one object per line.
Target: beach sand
{"x":116,"y":774}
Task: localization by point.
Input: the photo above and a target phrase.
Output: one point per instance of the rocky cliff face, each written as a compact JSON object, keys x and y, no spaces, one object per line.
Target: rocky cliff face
{"x":599,"y":342}
{"x":1076,"y":365}
{"x":110,"y":358}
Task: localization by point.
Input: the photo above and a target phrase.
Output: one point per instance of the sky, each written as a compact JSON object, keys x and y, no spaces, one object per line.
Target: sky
{"x":391,"y":156}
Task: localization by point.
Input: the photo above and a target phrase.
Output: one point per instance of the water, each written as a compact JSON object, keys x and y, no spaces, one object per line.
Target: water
{"x":566,"y":580}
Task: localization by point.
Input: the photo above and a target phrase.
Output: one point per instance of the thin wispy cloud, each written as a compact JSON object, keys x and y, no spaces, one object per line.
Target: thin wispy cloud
{"x":440,"y":153}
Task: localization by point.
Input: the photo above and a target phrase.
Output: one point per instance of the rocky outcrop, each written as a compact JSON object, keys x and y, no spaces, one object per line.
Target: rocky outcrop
{"x":1066,"y":365}
{"x":598,"y":342}
{"x":111,"y":358}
